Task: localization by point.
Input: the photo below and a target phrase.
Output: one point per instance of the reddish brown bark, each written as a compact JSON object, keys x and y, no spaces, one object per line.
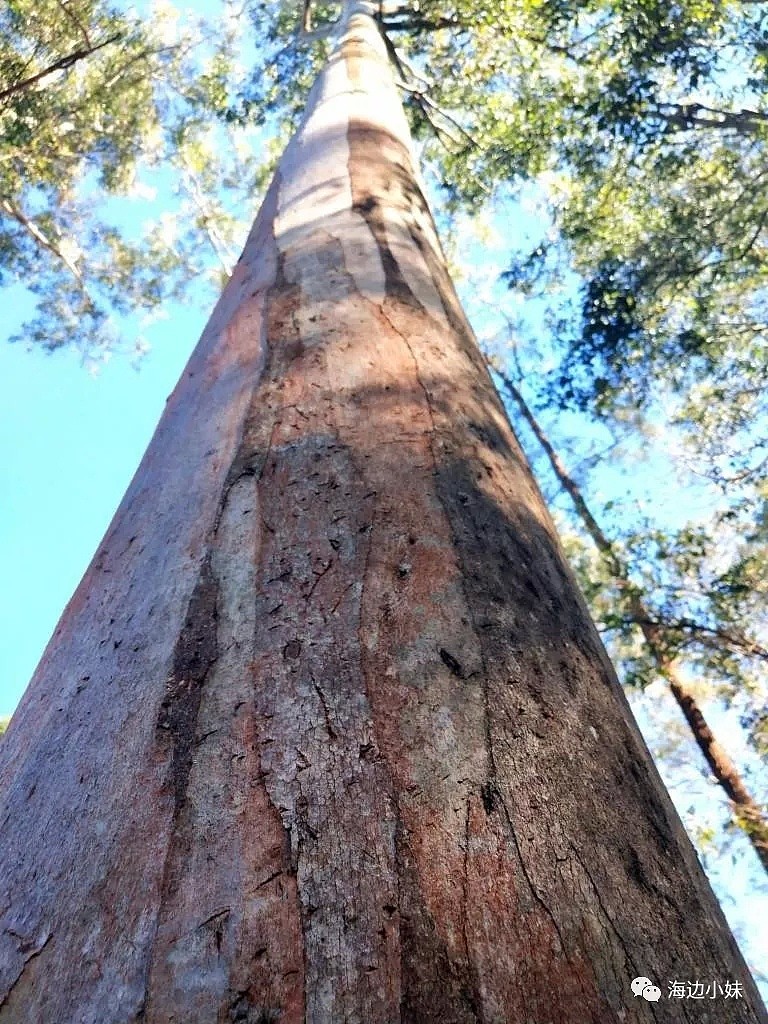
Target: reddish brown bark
{"x":326,"y":734}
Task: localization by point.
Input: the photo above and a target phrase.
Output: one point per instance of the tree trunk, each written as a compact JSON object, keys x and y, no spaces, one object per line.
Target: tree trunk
{"x":326,"y":734}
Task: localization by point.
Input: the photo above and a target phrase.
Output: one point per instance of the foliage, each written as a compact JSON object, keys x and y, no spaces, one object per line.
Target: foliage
{"x":93,"y":102}
{"x":712,"y":611}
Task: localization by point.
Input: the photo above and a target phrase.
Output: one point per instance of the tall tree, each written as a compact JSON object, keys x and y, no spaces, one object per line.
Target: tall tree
{"x":326,"y":733}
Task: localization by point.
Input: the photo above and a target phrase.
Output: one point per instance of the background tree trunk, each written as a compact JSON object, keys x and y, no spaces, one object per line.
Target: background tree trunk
{"x":325,"y":733}
{"x":751,"y":816}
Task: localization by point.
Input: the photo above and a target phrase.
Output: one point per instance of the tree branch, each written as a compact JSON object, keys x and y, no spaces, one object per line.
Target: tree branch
{"x":218,"y":244}
{"x":44,"y":242}
{"x":39,"y":236}
{"x":60,"y":65}
{"x":421,"y":24}
{"x":716,"y":636}
{"x":76,"y":21}
{"x":689,"y":115}
{"x":416,"y":84}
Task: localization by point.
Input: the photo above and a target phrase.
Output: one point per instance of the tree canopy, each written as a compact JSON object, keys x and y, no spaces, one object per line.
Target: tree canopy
{"x":93,"y":100}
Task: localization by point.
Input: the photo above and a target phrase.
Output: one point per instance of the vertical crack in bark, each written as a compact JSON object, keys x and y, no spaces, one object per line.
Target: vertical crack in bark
{"x":633,"y":970}
{"x":195,"y":653}
{"x":529,"y":881}
{"x":588,"y":996}
{"x":477,"y":999}
{"x":222,"y":605}
{"x":326,"y":712}
{"x":196,"y":649}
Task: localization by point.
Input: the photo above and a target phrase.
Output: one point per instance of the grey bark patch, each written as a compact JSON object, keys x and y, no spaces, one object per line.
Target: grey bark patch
{"x":196,"y":651}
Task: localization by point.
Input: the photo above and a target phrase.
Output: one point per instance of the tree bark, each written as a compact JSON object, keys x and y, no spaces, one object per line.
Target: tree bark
{"x":326,"y":734}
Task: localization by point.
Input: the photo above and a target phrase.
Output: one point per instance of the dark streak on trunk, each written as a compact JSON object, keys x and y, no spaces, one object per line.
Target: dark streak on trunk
{"x":196,"y":651}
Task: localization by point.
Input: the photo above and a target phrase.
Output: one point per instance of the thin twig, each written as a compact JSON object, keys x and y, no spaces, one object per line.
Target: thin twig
{"x":40,"y":237}
{"x":74,"y":18}
{"x":218,"y":244}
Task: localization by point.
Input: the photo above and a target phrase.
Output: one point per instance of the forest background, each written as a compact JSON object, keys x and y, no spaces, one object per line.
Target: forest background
{"x":596,"y":170}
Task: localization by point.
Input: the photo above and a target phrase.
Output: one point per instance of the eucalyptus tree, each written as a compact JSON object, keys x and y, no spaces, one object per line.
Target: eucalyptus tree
{"x":326,"y":733}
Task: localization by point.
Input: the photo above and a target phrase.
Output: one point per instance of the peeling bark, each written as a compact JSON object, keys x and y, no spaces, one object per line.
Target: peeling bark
{"x":326,"y":733}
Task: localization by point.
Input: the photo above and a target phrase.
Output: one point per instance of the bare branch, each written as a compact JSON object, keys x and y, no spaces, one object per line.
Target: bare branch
{"x":715,"y":636}
{"x":413,"y":73}
{"x":39,"y":236}
{"x":207,"y":219}
{"x":60,"y":65}
{"x":44,"y":242}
